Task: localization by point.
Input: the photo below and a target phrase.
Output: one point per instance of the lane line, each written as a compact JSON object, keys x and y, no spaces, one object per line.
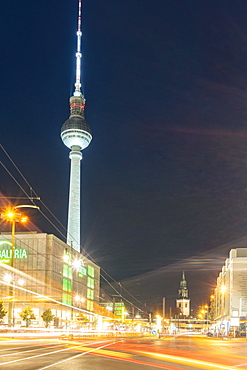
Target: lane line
{"x":72,"y":358}
{"x":30,"y":350}
{"x":45,"y":354}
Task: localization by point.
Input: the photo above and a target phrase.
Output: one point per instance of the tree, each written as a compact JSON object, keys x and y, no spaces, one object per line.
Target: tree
{"x":3,"y":312}
{"x":47,"y":317}
{"x":27,"y":315}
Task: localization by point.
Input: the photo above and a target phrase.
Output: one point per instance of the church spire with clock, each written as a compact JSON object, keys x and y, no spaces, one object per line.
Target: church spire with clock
{"x":183,"y":301}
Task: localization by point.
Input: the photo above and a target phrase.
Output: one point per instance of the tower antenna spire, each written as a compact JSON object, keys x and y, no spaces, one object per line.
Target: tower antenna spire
{"x":78,"y":54}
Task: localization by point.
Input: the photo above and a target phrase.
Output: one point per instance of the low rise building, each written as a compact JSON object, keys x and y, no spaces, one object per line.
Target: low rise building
{"x":231,"y":293}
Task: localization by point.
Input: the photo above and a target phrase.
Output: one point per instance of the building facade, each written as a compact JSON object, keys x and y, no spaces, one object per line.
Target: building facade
{"x":231,"y":292}
{"x":53,"y":276}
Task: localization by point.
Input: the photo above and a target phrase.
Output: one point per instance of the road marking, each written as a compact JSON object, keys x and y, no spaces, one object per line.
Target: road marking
{"x":80,"y":354}
{"x":30,"y":350}
{"x":46,"y":354}
{"x":108,"y":352}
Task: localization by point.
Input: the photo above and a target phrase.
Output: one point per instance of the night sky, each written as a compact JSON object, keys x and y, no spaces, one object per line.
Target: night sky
{"x":164,"y":180}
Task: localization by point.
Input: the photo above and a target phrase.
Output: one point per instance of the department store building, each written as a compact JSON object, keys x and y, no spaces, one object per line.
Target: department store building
{"x":47,"y":273}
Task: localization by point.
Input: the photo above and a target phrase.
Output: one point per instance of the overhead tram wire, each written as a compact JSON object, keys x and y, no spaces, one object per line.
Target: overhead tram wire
{"x":101,"y":268}
{"x":85,"y":252}
{"x":60,"y":232}
{"x":115,"y":281}
{"x":125,"y":299}
{"x":30,"y":198}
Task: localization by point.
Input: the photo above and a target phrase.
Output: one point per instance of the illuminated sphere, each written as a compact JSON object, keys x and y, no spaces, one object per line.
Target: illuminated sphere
{"x":76,"y":132}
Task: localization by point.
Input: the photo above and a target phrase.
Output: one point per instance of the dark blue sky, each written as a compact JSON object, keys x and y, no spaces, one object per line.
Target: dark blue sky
{"x":165,"y":177}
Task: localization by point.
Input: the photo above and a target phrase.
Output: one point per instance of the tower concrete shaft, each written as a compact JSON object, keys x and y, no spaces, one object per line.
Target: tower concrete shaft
{"x":73,"y":229}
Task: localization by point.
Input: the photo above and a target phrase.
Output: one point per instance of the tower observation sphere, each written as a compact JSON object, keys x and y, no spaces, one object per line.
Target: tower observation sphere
{"x":76,"y":134}
{"x":75,"y":131}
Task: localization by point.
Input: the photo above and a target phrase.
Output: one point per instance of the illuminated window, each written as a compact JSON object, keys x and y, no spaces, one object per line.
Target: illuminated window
{"x":82,"y":271}
{"x":66,"y":299}
{"x":89,"y":305}
{"x":90,"y":271}
{"x":67,"y":257}
{"x":67,"y":286}
{"x":90,"y":283}
{"x":90,"y":294}
{"x":67,"y":271}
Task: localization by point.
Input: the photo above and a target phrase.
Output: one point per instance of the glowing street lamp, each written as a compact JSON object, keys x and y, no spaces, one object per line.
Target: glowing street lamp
{"x":10,"y":214}
{"x":79,"y":299}
{"x":7,"y":278}
{"x":223,"y":289}
{"x":76,"y":264}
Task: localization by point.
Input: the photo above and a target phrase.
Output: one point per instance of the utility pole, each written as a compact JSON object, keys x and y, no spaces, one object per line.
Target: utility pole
{"x":133,"y":312}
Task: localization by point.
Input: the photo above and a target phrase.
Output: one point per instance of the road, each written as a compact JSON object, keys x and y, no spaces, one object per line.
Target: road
{"x":170,"y":353}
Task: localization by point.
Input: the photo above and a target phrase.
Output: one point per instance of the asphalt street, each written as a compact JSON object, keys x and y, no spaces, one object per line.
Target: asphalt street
{"x":170,"y":353}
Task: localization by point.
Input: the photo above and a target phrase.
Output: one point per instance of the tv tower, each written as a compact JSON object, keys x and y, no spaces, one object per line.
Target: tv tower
{"x":76,"y":135}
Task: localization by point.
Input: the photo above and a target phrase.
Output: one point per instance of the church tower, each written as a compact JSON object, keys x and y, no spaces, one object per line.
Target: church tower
{"x":183,"y":301}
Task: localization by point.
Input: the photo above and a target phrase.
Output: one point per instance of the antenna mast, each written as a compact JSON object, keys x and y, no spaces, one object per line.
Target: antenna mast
{"x":78,"y":55}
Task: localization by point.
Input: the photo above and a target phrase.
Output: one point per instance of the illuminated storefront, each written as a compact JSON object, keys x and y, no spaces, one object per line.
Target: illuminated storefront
{"x":55,"y":276}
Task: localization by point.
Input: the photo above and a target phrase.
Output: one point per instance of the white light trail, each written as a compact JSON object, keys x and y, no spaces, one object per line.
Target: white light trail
{"x":49,"y":353}
{"x":185,"y":360}
{"x":81,"y":354}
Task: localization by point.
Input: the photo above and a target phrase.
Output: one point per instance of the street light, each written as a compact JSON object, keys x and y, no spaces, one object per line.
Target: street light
{"x":11,"y":214}
{"x":223,"y":289}
{"x":79,"y":299}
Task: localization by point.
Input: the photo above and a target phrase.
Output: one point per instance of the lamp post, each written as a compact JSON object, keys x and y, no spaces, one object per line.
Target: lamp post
{"x":163,"y":313}
{"x":10,"y":214}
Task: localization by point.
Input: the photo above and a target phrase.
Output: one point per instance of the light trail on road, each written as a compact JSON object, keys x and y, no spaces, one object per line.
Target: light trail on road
{"x":73,"y":357}
{"x":190,"y":361}
{"x":124,"y":354}
{"x":30,"y":350}
{"x":49,"y":353}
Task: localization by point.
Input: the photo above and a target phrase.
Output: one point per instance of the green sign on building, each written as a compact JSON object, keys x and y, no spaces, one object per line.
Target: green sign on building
{"x":6,"y":254}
